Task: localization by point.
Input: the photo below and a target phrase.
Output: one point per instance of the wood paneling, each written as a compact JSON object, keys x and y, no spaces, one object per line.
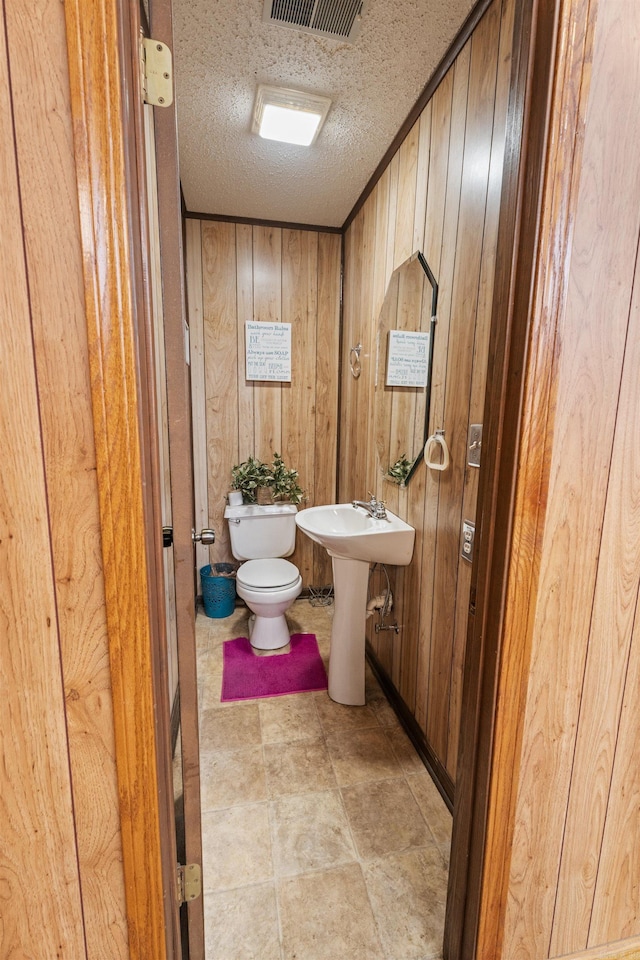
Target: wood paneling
{"x":440,"y":193}
{"x":41,"y":912}
{"x":101,"y":62}
{"x":240,"y":272}
{"x":70,"y":694}
{"x":565,"y":786}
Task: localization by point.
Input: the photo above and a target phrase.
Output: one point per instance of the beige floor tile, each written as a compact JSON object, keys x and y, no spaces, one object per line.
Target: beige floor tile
{"x":336,"y":717}
{"x":236,"y":847}
{"x":284,"y":719}
{"x":232,"y":777}
{"x":408,"y":893}
{"x":310,"y":832}
{"x":433,"y":807}
{"x":404,"y":750}
{"x":384,"y":818}
{"x":327,"y":916}
{"x":362,"y":755}
{"x":209,"y":690}
{"x":300,"y":767}
{"x":242,"y":924}
{"x":230,"y":729}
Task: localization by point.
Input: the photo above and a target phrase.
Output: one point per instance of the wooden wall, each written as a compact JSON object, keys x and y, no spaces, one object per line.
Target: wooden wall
{"x":567,"y":783}
{"x":61,"y":876}
{"x":239,"y":272}
{"x":440,"y":194}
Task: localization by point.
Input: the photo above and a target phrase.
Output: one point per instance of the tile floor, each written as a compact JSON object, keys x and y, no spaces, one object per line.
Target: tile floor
{"x":324,"y":837}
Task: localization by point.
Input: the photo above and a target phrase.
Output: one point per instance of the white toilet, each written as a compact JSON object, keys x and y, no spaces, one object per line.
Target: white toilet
{"x":260,"y":537}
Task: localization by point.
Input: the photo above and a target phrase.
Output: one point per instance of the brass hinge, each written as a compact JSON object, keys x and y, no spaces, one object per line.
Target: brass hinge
{"x":157,"y":73}
{"x":189,"y":882}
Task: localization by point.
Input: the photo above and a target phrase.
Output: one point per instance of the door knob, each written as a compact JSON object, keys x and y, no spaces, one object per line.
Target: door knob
{"x":206,"y":537}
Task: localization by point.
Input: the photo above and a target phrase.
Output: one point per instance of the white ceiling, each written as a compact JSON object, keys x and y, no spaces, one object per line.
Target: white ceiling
{"x":223,"y":50}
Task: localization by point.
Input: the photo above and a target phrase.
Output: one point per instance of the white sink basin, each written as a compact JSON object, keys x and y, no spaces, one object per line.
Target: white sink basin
{"x":349,"y":532}
{"x":353,"y":539}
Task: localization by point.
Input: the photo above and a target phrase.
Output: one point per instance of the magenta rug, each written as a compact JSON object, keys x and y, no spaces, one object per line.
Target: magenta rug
{"x":246,"y":676}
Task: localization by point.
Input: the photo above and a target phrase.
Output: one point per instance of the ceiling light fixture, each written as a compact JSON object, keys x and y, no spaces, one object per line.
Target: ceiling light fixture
{"x":290,"y":116}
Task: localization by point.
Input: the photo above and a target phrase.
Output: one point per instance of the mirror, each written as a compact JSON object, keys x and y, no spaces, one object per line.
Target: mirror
{"x":405,"y":335}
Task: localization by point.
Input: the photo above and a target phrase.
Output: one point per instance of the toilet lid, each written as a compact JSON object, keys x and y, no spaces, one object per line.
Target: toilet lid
{"x":267,"y":573}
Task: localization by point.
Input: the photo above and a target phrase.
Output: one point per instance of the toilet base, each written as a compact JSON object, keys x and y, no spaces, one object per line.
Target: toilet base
{"x":268,"y":633}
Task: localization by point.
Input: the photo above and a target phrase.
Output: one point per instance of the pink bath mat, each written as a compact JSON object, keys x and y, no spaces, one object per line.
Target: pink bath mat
{"x":246,"y":676}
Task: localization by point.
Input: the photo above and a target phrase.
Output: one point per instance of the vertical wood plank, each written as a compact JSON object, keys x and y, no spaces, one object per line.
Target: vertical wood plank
{"x":424,"y":513}
{"x":601,"y":262}
{"x":443,"y":548}
{"x":300,"y":309}
{"x":267,"y":303}
{"x":246,"y":411}
{"x":52,"y":246}
{"x":41,"y":911}
{"x":195,"y":307}
{"x":220,"y":344}
{"x":407,"y":181}
{"x":326,"y":414}
{"x":480,"y":362}
{"x":105,"y":174}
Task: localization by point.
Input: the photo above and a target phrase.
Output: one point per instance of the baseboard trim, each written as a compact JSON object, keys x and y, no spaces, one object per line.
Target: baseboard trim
{"x":439,"y":774}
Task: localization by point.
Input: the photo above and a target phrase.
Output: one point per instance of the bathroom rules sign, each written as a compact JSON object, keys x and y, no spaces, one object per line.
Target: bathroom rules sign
{"x":268,"y":351}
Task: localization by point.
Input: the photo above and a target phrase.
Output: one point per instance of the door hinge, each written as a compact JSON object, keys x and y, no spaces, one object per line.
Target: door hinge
{"x":157,"y":73}
{"x":189,"y":882}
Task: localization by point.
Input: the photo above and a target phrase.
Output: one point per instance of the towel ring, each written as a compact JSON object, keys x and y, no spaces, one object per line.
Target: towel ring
{"x":436,"y":440}
{"x":354,"y":361}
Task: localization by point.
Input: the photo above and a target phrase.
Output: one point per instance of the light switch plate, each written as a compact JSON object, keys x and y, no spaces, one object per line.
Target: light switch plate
{"x":475,"y":445}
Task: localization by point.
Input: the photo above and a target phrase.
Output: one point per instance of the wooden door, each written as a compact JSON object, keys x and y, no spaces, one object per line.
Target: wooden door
{"x":161,"y":212}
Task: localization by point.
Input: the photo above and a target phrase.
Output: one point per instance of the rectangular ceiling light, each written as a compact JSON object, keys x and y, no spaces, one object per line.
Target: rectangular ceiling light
{"x":290,"y":116}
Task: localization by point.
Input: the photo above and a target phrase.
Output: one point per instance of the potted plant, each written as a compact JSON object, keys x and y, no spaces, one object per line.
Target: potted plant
{"x":265,"y":482}
{"x":399,"y":471}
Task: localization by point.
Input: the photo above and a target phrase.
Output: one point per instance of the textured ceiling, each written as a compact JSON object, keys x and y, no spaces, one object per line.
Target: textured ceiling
{"x":223,"y":50}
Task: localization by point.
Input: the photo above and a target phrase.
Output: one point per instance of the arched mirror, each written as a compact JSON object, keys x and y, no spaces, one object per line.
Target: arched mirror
{"x":406,"y":328}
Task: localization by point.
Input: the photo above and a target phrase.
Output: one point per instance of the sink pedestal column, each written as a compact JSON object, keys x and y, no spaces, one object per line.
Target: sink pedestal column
{"x":346,"y":659}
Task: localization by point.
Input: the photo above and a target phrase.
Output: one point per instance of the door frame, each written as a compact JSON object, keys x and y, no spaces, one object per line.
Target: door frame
{"x":102,"y":43}
{"x":470,"y":897}
{"x":101,"y":37}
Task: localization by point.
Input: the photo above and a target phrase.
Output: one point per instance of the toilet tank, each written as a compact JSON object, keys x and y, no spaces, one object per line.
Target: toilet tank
{"x":258,"y":532}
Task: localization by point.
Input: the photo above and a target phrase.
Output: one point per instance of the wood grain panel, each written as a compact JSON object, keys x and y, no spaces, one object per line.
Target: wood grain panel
{"x":407,"y":185}
{"x":41,"y":911}
{"x":436,"y":191}
{"x":326,"y":412}
{"x":105,"y":174}
{"x":193,"y":274}
{"x":300,"y":309}
{"x":289,"y":276}
{"x":52,"y":246}
{"x":481,"y":361}
{"x":220,"y":351}
{"x":246,"y":409}
{"x":601,"y":270}
{"x":593,"y":799}
{"x":424,"y":509}
{"x":267,"y":306}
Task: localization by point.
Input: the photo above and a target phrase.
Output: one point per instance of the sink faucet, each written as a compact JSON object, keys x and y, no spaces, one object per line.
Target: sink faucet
{"x":375,"y":508}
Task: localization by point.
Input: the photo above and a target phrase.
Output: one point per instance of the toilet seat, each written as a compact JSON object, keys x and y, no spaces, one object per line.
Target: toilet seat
{"x":272,"y":574}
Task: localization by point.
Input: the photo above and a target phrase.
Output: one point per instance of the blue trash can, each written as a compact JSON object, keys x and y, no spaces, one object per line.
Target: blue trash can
{"x":218,"y":592}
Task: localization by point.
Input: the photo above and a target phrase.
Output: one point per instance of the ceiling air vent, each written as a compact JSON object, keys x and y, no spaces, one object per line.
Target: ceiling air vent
{"x":327,"y":18}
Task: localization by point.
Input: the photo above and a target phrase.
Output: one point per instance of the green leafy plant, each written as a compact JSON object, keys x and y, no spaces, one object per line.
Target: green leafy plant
{"x":399,"y":471}
{"x":252,"y":474}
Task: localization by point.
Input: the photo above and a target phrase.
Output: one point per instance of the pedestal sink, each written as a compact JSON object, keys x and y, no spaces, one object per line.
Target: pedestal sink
{"x":353,"y":539}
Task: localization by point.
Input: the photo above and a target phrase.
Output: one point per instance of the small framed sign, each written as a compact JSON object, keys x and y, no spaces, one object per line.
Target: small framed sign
{"x":268,"y":351}
{"x":407,"y":359}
